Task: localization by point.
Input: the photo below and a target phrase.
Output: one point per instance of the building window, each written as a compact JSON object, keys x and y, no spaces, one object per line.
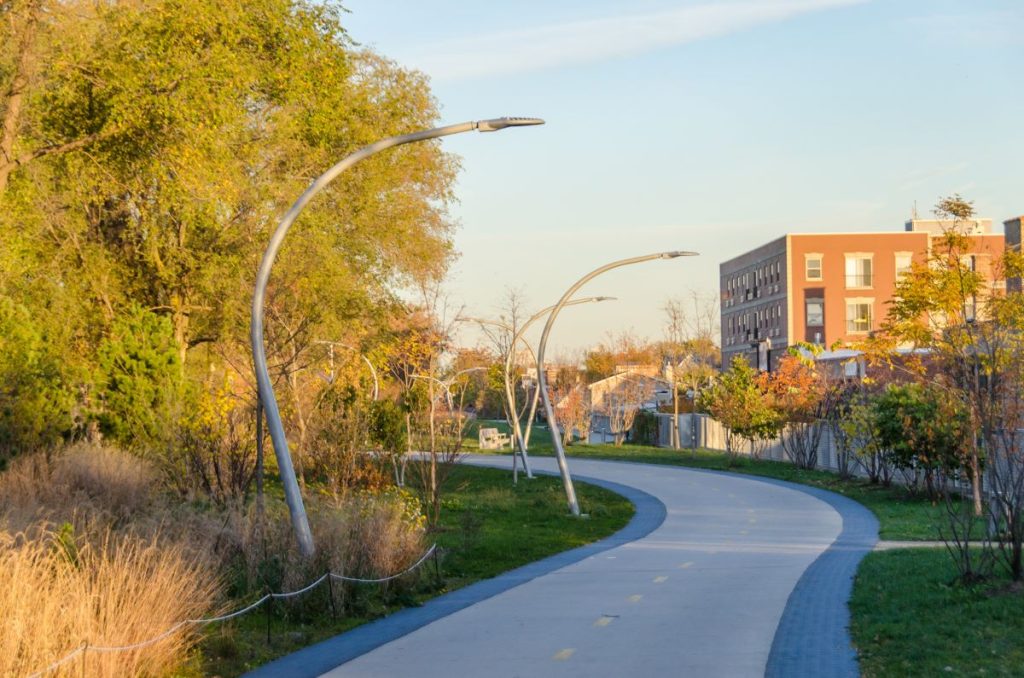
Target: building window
{"x":858,"y":270}
{"x":904,"y":264}
{"x":815,"y":312}
{"x":812,"y":266}
{"x":858,"y":315}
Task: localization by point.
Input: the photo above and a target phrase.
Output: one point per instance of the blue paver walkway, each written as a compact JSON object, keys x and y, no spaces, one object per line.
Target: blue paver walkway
{"x":717,"y":575}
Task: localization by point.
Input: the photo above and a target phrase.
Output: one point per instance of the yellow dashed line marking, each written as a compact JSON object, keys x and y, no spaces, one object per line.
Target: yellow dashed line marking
{"x":686,"y":565}
{"x":603,"y":621}
{"x":744,"y":531}
{"x":732,"y":496}
{"x":562,"y":655}
{"x":751,"y":521}
{"x":635,"y":598}
{"x":660,"y":580}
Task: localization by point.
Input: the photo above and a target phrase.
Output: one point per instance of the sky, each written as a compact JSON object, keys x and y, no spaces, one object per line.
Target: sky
{"x":711,"y":126}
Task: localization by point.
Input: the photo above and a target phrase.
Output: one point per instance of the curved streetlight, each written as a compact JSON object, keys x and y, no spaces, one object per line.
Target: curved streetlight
{"x":556,"y":436}
{"x":536,"y":393}
{"x":510,"y":398}
{"x":369,"y":363}
{"x":523,"y":440}
{"x":447,"y":384}
{"x":265,"y":390}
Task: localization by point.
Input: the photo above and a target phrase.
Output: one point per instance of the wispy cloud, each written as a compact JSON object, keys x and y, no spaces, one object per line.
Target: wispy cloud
{"x":588,"y":41}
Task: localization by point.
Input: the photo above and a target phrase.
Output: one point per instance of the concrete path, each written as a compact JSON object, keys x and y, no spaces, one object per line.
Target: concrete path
{"x":716,"y":575}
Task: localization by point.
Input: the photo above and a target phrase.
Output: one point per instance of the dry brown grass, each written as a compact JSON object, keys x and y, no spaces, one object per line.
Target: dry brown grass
{"x":56,"y":595}
{"x":129,"y":560}
{"x":362,"y":535}
{"x":115,"y":572}
{"x":91,"y":486}
{"x":117,"y":481}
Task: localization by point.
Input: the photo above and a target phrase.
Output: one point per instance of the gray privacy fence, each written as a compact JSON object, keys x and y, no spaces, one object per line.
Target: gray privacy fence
{"x":700,"y":430}
{"x":177,"y":626}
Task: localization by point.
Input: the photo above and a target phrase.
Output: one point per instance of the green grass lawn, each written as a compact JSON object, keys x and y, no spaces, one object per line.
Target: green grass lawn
{"x":488,"y":526}
{"x":901,"y":516}
{"x":909,"y":619}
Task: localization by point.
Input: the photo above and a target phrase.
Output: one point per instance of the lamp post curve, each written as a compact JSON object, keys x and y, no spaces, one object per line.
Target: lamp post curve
{"x":519,"y":440}
{"x":265,"y":390}
{"x":556,"y":437}
{"x":362,"y":356}
{"x":524,"y":438}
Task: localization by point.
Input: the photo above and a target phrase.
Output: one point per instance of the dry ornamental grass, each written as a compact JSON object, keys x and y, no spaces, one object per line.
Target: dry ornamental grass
{"x":129,"y":560}
{"x":56,"y":597}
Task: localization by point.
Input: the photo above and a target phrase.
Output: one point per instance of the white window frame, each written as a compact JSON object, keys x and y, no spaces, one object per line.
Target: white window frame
{"x":811,"y":256}
{"x":807,"y":316}
{"x":909,"y":256}
{"x":870,"y":303}
{"x":858,"y":256}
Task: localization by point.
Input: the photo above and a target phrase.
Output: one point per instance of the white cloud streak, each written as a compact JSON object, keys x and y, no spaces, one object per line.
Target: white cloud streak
{"x":588,"y":41}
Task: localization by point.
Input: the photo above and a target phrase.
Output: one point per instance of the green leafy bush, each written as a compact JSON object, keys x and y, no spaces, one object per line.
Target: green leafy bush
{"x":140,"y":383}
{"x":37,"y":399}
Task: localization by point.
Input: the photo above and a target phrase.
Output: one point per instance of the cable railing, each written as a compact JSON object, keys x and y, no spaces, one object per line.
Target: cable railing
{"x":88,"y":647}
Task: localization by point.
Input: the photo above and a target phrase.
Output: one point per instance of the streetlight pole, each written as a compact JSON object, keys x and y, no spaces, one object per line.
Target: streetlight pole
{"x":447,"y":384}
{"x":510,"y":399}
{"x":510,"y":396}
{"x":524,"y":439}
{"x":293,"y":497}
{"x":369,"y":363}
{"x":556,"y":436}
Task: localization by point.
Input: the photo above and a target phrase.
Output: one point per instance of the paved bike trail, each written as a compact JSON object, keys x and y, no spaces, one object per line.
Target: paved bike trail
{"x":719,"y":575}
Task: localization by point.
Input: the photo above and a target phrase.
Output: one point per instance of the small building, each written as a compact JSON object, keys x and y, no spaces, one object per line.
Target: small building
{"x":648,"y":392}
{"x":626,"y":392}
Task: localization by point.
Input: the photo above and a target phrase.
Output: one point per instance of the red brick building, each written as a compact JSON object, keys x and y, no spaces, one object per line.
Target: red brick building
{"x":825,"y":288}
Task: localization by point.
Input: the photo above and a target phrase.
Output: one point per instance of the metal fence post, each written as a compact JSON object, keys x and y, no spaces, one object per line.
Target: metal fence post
{"x":330,"y":592}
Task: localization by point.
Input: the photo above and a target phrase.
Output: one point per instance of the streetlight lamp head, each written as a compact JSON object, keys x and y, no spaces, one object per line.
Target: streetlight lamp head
{"x":606,"y":299}
{"x":494,"y":124}
{"x":678,"y":253}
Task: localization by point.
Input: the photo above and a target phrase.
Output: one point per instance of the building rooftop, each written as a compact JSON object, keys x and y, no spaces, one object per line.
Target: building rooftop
{"x":938,"y":226}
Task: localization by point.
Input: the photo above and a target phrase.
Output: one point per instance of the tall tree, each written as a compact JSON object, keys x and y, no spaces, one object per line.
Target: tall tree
{"x":970,"y":336}
{"x":690,"y":348}
{"x":805,"y":397}
{"x":741,"y":401}
{"x":148,"y":149}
